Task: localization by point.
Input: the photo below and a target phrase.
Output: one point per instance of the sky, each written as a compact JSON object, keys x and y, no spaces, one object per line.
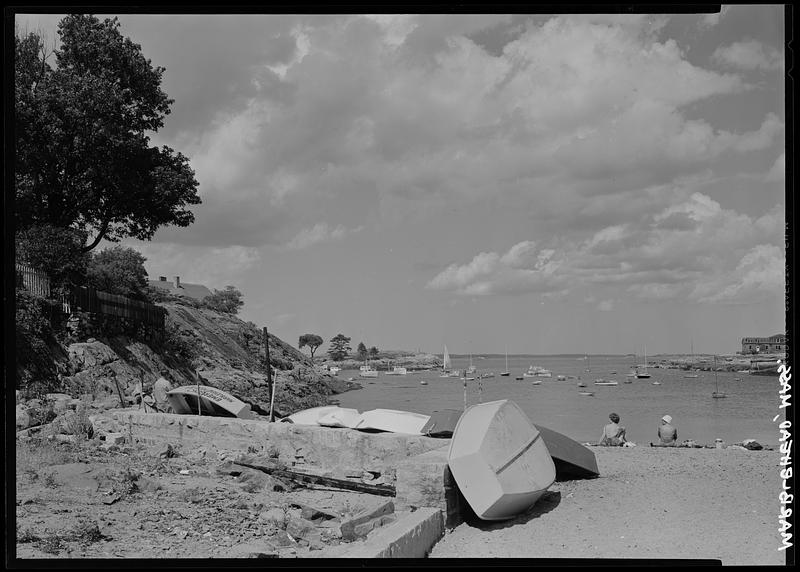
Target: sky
{"x":531,"y":183}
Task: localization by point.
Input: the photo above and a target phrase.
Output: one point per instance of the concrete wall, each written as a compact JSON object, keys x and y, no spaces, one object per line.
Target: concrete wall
{"x":334,"y":450}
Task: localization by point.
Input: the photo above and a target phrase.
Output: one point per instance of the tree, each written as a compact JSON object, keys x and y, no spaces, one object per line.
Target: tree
{"x":227,"y":301}
{"x":313,"y":341}
{"x":362,"y":351}
{"x":55,"y":251}
{"x":339,"y":347}
{"x":83,"y":158}
{"x":373,"y":352}
{"x":118,"y":270}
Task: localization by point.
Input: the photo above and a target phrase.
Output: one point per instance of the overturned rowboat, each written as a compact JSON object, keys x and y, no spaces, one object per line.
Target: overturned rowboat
{"x":393,"y":421}
{"x":572,"y":459}
{"x":499,"y":460}
{"x":213,"y":402}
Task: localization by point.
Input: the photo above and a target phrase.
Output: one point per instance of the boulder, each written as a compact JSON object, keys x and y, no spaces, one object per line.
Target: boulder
{"x":23,"y":418}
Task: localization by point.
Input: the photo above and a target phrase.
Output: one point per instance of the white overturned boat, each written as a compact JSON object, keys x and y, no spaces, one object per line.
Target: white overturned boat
{"x":340,"y":417}
{"x":212,"y":402}
{"x":499,"y":460}
{"x":392,"y":421}
{"x":310,"y":416}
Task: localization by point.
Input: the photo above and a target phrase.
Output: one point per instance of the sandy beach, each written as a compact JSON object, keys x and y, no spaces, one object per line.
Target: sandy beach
{"x":647,"y":503}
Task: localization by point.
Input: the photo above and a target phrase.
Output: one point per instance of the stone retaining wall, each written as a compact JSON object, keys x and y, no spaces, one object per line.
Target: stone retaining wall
{"x":334,"y":450}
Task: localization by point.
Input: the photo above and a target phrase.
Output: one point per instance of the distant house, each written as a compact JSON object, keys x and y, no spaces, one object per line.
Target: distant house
{"x":776,"y":343}
{"x":178,"y":288}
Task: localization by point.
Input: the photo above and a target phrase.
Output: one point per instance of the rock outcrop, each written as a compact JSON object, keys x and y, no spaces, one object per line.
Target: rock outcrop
{"x":201,"y":345}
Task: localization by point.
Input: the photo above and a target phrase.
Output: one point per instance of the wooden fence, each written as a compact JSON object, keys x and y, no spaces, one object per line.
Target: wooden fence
{"x":94,"y":301}
{"x":97,"y":302}
{"x":35,"y":281}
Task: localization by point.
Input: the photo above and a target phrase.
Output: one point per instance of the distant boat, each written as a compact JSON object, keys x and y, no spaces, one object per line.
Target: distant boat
{"x":692,"y":375}
{"x":423,"y":382}
{"x":604,"y":382}
{"x":656,"y":383}
{"x":519,"y":378}
{"x":397,"y":370}
{"x":393,"y":421}
{"x":445,"y":363}
{"x":334,"y":369}
{"x":536,"y":382}
{"x":561,"y":378}
{"x":499,"y":460}
{"x":586,"y":393}
{"x":716,"y":394}
{"x":471,"y":369}
{"x":486,"y":375}
{"x":505,"y":373}
{"x":643,"y":374}
{"x":367,"y":371}
{"x":581,"y":384}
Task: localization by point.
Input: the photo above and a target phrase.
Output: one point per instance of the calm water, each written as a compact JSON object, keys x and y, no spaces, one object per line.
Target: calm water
{"x":746,"y":413}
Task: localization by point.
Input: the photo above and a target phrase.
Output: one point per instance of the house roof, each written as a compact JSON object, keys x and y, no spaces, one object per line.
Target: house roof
{"x":196,"y":291}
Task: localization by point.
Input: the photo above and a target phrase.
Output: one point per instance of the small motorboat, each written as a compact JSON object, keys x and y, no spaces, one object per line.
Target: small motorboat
{"x":423,"y":382}
{"x":499,"y":460}
{"x":656,"y":383}
{"x":586,"y":393}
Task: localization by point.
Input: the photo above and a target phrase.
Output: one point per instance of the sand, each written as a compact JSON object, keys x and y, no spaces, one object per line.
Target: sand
{"x":647,"y":503}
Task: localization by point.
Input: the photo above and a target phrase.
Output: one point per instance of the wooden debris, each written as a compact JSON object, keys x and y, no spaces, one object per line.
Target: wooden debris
{"x":306,"y":479}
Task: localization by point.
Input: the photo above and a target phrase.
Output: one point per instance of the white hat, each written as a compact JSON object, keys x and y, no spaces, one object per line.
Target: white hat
{"x":667,"y":419}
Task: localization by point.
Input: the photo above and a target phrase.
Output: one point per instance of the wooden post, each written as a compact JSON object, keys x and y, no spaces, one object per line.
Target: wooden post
{"x":269,"y":376}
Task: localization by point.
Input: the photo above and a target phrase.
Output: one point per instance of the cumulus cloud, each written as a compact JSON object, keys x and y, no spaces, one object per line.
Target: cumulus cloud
{"x":320,"y":232}
{"x":777,"y":172}
{"x":213,"y":267}
{"x":748,"y":55}
{"x":403,"y":114}
{"x":694,"y":250}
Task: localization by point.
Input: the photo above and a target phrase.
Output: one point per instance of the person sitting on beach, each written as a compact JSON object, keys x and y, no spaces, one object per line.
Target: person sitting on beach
{"x":667,"y":433}
{"x":613,"y":433}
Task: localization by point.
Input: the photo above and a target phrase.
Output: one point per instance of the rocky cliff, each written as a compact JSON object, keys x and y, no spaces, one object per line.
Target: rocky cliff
{"x":202,"y":345}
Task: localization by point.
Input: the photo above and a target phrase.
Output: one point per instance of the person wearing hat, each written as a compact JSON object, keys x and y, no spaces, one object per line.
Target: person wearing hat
{"x":613,"y":433}
{"x":667,"y":433}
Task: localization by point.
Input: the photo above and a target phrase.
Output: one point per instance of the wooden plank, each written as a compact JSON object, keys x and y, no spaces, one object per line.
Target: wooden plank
{"x":305,"y":478}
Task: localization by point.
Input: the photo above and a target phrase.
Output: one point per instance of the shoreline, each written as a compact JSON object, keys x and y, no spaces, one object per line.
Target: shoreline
{"x":647,"y":503}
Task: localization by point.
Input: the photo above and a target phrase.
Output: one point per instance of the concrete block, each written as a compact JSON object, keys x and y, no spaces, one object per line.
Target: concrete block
{"x":412,"y":536}
{"x":426,"y":481}
{"x":348,"y":526}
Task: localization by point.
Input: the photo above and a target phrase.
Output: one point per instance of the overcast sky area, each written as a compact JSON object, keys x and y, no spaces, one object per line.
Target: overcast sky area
{"x":545,"y":184}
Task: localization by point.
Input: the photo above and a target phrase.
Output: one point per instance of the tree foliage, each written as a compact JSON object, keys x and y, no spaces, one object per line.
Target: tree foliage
{"x":361,"y":351}
{"x":228,"y":301}
{"x":118,"y":270}
{"x":83,"y":156}
{"x":339,"y":347}
{"x":55,"y":251}
{"x":373,"y":352}
{"x":313,"y":341}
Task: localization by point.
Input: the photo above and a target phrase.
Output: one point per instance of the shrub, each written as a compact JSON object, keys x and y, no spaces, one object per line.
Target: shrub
{"x":58,"y":252}
{"x":118,"y":270}
{"x":37,"y":373}
{"x":228,"y":301}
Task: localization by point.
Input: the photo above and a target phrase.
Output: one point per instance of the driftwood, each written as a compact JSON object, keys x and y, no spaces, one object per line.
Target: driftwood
{"x":305,"y":478}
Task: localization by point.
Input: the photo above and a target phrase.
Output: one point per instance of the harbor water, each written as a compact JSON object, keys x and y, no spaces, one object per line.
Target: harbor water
{"x":747,"y":411}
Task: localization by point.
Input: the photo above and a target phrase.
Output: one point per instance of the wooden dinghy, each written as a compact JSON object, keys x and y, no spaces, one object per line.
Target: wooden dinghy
{"x":572,"y":460}
{"x":392,"y":421}
{"x":499,"y":460}
{"x":340,"y":417}
{"x":442,"y":423}
{"x":213,"y":402}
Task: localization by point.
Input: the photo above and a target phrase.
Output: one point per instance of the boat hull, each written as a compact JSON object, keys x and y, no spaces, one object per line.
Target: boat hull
{"x":341,"y":417}
{"x":572,"y":460}
{"x":392,"y":421}
{"x":499,"y":460}
{"x":213,"y":402}
{"x":442,"y":423}
{"x":310,"y":416}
